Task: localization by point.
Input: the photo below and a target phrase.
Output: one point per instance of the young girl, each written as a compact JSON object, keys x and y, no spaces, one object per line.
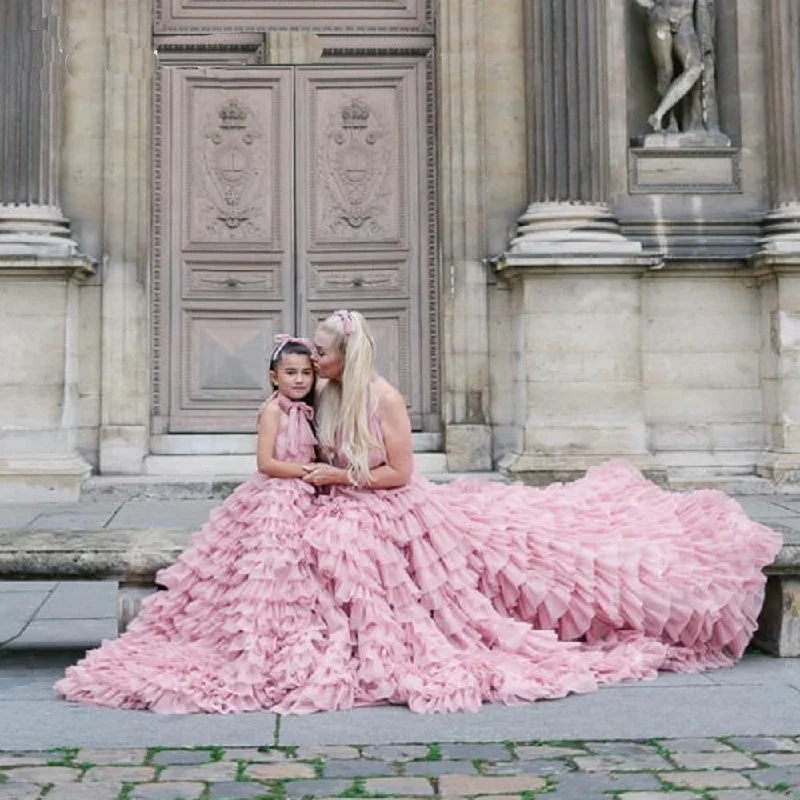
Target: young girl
{"x":237,"y":626}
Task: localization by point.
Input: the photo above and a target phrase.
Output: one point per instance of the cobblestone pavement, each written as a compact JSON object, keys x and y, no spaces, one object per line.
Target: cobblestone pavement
{"x":727,"y":768}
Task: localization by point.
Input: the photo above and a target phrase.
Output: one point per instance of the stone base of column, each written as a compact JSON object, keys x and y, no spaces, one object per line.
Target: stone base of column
{"x":42,"y":479}
{"x":778,"y":268}
{"x":556,"y":228}
{"x":34,"y":230}
{"x":782,"y":230}
{"x":468,"y":448}
{"x":779,"y":468}
{"x":579,"y":384}
{"x":123,"y":449}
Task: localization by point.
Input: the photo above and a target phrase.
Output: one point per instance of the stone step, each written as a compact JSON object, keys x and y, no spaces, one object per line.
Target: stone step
{"x":200,"y":487}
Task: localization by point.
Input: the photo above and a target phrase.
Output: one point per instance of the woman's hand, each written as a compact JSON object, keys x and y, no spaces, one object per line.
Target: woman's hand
{"x":324,"y":475}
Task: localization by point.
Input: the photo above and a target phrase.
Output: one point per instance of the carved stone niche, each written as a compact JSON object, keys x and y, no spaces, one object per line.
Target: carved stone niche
{"x":683,"y":97}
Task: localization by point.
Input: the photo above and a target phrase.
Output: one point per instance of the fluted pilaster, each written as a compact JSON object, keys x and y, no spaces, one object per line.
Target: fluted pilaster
{"x":568,"y":130}
{"x":782,"y":46}
{"x":31,"y":221}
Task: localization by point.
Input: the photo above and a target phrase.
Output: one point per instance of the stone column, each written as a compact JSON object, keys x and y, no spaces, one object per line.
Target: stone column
{"x":124,"y":406}
{"x":463,"y":249}
{"x":568,"y":112}
{"x":778,"y":263}
{"x":31,"y":221}
{"x":575,"y":276}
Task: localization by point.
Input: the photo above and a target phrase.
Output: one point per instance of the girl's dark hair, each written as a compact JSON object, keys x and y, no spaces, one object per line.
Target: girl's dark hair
{"x":293,"y":349}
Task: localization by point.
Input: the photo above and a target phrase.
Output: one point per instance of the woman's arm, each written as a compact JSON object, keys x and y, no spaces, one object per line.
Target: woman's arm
{"x":396,"y":429}
{"x":269,"y":424}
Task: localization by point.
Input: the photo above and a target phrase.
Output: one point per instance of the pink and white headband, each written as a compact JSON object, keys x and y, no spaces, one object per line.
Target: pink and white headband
{"x":347,"y":320}
{"x":280,"y":340}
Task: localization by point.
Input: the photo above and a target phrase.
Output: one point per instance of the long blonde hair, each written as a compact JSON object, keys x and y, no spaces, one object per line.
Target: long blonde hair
{"x":343,"y":407}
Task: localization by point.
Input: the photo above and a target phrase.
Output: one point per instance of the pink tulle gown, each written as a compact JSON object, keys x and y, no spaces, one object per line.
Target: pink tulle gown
{"x":437,"y":597}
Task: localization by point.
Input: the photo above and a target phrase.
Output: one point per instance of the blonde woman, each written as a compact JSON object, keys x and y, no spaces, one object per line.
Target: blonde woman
{"x":445,"y":597}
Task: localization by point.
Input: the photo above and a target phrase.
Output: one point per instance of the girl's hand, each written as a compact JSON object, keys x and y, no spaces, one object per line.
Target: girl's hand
{"x":324,"y":475}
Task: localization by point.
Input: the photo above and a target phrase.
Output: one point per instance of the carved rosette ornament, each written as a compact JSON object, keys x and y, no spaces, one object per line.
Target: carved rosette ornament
{"x":354,"y":160}
{"x":231,"y":184}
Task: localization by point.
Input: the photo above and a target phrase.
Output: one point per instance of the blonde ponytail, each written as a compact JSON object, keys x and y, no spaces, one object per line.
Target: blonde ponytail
{"x":344,"y":407}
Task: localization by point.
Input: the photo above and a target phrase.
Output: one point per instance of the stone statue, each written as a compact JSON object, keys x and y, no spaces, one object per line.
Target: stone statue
{"x":682,"y":35}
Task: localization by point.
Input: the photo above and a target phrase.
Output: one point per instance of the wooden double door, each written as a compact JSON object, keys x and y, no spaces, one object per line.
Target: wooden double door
{"x":285,"y":193}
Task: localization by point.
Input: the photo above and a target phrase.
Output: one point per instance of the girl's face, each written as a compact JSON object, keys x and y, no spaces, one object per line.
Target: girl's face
{"x":293,"y":376}
{"x":328,"y":361}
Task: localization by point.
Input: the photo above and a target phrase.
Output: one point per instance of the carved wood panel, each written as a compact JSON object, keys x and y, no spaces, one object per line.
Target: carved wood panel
{"x":360,"y":182}
{"x":280,"y":195}
{"x":230,"y":147}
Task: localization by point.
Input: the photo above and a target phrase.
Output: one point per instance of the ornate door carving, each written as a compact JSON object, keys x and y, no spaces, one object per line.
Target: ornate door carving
{"x":360,"y":229}
{"x":282,"y":194}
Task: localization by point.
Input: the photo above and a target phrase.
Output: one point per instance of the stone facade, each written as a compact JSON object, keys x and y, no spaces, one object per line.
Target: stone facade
{"x":593,"y":298}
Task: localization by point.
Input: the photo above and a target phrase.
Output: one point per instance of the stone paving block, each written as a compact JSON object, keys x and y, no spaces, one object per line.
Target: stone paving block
{"x":660,"y":796}
{"x":732,"y":760}
{"x":17,"y":609}
{"x":780,"y":759}
{"x":103,"y":757}
{"x":420,"y":768}
{"x":81,"y":600}
{"x":179,"y":790}
{"x":623,"y":749}
{"x":19,"y":791}
{"x":276,"y":772}
{"x":85,"y":791}
{"x":79,"y":633}
{"x":318,"y":788}
{"x":713,"y":779}
{"x":411,"y":787}
{"x":621,"y":763}
{"x":163,"y":514}
{"x":6,"y":587}
{"x":765,"y":744}
{"x":253,"y":754}
{"x":217,"y":771}
{"x":18,"y":515}
{"x":745,"y":794}
{"x":525,"y":752}
{"x":237,"y":791}
{"x":396,"y":752}
{"x":358,"y":768}
{"x":450,"y":785}
{"x":180,"y":757}
{"x":473,"y":752}
{"x":695,"y":746}
{"x":119,"y":774}
{"x":772,"y":775}
{"x":42,"y":775}
{"x":35,"y":758}
{"x":80,"y":516}
{"x":338,"y":751}
{"x":600,"y":782}
{"x":542,"y":767}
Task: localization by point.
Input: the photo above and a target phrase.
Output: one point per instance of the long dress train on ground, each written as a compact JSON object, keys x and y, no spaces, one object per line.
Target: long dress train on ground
{"x":437,"y":597}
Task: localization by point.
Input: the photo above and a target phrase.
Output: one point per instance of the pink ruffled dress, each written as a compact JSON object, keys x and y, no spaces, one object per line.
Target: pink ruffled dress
{"x":436,"y":597}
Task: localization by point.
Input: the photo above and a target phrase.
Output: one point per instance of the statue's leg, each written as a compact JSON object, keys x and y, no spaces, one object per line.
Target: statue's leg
{"x":660,"y":37}
{"x":687,"y":50}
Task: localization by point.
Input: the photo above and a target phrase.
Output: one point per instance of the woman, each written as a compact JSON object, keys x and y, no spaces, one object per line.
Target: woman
{"x":471,"y":592}
{"x":385,"y":588}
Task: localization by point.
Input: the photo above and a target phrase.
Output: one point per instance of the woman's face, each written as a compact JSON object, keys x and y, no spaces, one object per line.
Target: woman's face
{"x":328,"y":361}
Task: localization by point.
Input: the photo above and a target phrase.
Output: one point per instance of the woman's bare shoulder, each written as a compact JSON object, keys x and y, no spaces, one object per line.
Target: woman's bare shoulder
{"x":386,"y":395}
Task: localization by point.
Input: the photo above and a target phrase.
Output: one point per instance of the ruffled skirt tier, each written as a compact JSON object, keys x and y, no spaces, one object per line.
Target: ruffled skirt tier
{"x":437,"y":597}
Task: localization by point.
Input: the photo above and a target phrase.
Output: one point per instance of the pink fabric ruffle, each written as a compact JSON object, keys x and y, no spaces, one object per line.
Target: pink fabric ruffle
{"x":437,"y":597}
